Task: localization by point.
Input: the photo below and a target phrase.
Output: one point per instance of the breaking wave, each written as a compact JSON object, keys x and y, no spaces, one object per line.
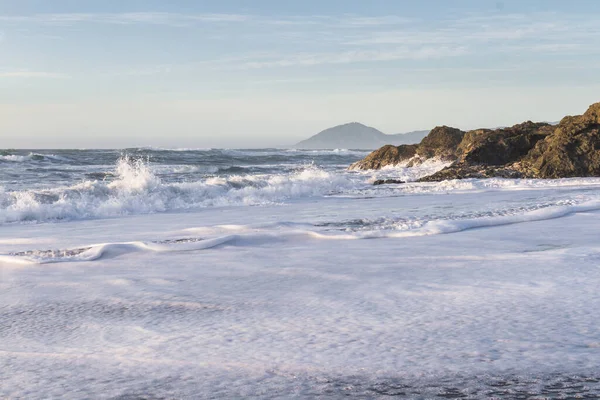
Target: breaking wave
{"x":136,"y":189}
{"x":31,"y":157}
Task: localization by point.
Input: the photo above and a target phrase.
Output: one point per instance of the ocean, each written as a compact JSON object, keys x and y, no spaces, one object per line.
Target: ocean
{"x":277,"y":273}
{"x":63,"y":185}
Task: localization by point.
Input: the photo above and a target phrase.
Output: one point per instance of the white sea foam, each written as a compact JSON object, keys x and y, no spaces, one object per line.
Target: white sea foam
{"x":31,"y":156}
{"x":410,"y":174}
{"x":404,"y":173}
{"x":286,"y":232}
{"x":498,"y":184}
{"x":458,"y":225}
{"x":15,"y":158}
{"x":274,"y":301}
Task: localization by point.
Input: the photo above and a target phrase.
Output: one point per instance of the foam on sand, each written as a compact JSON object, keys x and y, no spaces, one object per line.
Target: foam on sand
{"x":269,"y":314}
{"x":452,"y":226}
{"x":242,"y":302}
{"x":257,"y":235}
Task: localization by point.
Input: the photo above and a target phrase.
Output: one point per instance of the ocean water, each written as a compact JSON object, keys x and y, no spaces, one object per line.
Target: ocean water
{"x":65,"y":185}
{"x":163,"y":273}
{"x":77,"y":184}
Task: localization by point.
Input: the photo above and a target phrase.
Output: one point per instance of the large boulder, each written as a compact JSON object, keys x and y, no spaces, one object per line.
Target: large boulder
{"x":441,"y":143}
{"x":502,"y":146}
{"x":573,"y":149}
{"x":485,"y":153}
{"x":387,"y":155}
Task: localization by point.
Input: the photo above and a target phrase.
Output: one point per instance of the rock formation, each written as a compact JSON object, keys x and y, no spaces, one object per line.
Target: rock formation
{"x":485,"y":153}
{"x":573,"y":149}
{"x":387,"y":155}
{"x":440,"y":143}
{"x":387,"y":181}
{"x":527,"y":150}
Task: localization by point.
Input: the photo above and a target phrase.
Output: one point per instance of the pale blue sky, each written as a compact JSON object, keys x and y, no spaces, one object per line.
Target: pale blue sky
{"x":223,"y":73}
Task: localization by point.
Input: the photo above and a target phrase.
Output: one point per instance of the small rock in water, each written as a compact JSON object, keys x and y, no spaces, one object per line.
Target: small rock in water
{"x":387,"y":181}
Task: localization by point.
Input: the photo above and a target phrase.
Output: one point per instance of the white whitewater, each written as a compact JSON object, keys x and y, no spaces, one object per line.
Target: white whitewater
{"x":146,"y":276}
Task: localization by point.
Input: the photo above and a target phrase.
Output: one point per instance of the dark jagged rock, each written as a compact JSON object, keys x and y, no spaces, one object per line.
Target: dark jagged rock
{"x":387,"y":155}
{"x":442,"y":142}
{"x":527,"y":150}
{"x":573,"y":149}
{"x":485,"y":153}
{"x":387,"y":181}
{"x":462,"y":170}
{"x":502,"y":146}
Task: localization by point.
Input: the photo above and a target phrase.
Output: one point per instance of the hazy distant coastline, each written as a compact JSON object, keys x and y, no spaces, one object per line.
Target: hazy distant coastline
{"x":355,"y":135}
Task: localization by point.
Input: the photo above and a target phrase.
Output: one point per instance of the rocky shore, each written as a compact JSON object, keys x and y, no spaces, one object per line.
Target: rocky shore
{"x":526,"y":150}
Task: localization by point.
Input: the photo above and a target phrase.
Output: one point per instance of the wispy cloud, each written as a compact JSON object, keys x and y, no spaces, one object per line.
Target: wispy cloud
{"x":161,"y":17}
{"x":343,"y":21}
{"x":479,"y":30}
{"x":385,"y":20}
{"x":182,"y":19}
{"x":348,"y":57}
{"x":155,"y":18}
{"x":282,"y":41}
{"x":312,"y":41}
{"x":550,"y":48}
{"x":32,"y":74}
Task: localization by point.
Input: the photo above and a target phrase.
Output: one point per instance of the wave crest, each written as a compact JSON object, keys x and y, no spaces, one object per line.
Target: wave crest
{"x":17,"y":158}
{"x":136,"y":189}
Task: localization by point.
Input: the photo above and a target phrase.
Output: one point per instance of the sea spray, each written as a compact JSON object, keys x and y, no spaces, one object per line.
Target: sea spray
{"x":136,"y":189}
{"x":134,"y":175}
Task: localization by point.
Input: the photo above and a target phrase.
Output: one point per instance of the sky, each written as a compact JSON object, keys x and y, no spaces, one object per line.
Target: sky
{"x":127,"y":73}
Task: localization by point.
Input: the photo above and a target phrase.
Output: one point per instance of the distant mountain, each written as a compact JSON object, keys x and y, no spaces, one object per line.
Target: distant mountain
{"x":357,"y":136}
